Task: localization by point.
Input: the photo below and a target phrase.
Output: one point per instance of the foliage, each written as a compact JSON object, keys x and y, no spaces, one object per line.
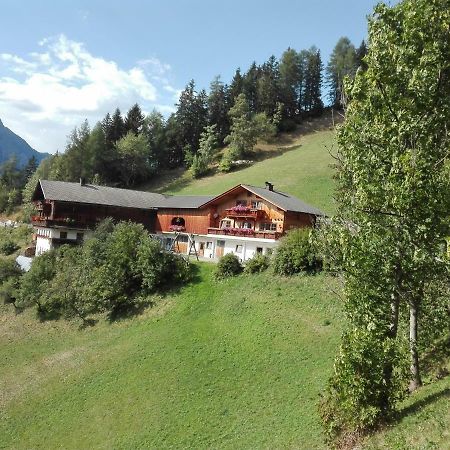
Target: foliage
{"x":393,"y":195}
{"x":295,"y":254}
{"x":228,"y":266}
{"x":244,"y":131}
{"x":8,"y":247}
{"x":259,"y":263}
{"x":358,"y":394}
{"x":112,"y":272}
{"x":207,"y":148}
{"x":135,"y":165}
{"x":34,"y":284}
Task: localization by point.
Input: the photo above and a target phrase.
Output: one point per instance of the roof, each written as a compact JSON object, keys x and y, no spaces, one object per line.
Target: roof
{"x":103,"y":195}
{"x":282,"y":200}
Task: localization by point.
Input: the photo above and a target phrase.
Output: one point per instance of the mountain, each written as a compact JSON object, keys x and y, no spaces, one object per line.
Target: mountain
{"x":12,"y":144}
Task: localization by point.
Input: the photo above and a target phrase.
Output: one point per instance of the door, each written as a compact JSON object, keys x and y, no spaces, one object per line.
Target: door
{"x":201,"y":251}
{"x":220,"y":246}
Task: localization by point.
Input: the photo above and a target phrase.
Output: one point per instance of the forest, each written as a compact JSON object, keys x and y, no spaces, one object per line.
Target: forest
{"x":129,"y":149}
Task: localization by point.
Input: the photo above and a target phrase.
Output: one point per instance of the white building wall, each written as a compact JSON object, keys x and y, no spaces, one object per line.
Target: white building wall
{"x":243,"y":247}
{"x":43,"y":244}
{"x":44,"y":237}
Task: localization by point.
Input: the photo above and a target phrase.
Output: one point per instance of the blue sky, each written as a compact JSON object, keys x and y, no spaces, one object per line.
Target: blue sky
{"x":63,"y":61}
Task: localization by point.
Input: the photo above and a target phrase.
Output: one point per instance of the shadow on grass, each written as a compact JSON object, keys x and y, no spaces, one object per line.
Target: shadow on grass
{"x":422,"y":403}
{"x":128,"y":311}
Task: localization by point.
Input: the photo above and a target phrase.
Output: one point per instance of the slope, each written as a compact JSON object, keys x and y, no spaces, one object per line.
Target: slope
{"x":301,"y":167}
{"x":13,"y":145}
{"x":236,"y":364}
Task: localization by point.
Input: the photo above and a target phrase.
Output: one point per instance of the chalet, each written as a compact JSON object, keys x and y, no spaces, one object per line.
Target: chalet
{"x":244,"y":220}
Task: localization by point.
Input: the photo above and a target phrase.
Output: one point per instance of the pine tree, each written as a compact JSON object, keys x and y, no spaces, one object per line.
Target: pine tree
{"x":343,"y":63}
{"x":267,"y":87}
{"x":191,"y":116}
{"x":290,"y":82}
{"x":313,"y":82}
{"x":218,"y":108}
{"x":236,"y":88}
{"x":249,"y":86}
{"x":134,"y":120}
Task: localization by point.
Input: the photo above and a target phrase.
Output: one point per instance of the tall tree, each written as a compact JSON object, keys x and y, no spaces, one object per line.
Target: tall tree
{"x":133,"y":151}
{"x":191,"y":115}
{"x":155,"y":131}
{"x":218,"y":108}
{"x":267,"y":87}
{"x":394,"y":196}
{"x":342,"y":63}
{"x":361,"y":52}
{"x":249,"y":86}
{"x":290,"y":81}
{"x":117,"y":130}
{"x":236,"y":88}
{"x":134,"y":120}
{"x":312,"y":93}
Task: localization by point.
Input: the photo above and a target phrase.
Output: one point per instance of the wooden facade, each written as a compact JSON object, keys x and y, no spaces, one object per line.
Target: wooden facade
{"x":239,"y":212}
{"x":86,"y":216}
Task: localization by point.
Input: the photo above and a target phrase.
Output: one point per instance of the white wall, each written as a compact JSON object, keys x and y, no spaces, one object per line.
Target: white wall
{"x":43,"y":244}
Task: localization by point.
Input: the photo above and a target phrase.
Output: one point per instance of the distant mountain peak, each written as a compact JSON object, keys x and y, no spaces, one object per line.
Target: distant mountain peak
{"x":12,"y":144}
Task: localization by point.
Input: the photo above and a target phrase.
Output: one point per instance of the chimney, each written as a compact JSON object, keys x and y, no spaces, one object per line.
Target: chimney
{"x":269,"y":186}
{"x":82,"y":181}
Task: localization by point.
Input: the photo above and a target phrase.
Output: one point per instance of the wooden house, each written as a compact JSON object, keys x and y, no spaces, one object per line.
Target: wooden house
{"x":244,"y":220}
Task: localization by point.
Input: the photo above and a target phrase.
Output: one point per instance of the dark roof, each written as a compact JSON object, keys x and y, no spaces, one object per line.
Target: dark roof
{"x":283,"y":200}
{"x":280,"y":199}
{"x":185,"y":201}
{"x":126,"y":198}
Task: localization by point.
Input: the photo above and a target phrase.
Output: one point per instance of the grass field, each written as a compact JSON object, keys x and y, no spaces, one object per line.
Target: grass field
{"x":301,"y":166}
{"x":218,"y":365}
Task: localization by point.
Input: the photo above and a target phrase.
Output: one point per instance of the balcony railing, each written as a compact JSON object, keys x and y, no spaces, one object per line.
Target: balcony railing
{"x":245,"y":212}
{"x":66,"y":222}
{"x":245,"y":232}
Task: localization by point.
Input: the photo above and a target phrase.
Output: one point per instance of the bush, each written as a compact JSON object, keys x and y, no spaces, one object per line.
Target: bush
{"x":295,"y":254}
{"x":259,"y":263}
{"x":228,"y":266}
{"x":8,"y":247}
{"x":357,"y":397}
{"x":8,"y":269}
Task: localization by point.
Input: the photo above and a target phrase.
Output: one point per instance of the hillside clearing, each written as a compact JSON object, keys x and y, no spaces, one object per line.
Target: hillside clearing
{"x":230,"y":364}
{"x":300,"y":165}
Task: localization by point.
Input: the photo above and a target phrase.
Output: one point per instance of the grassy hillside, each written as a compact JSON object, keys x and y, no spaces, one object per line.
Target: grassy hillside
{"x":229,"y":365}
{"x":299,"y":164}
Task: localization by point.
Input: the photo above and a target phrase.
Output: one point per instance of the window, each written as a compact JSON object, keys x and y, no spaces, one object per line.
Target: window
{"x":238,"y":249}
{"x":247,"y":225}
{"x":63,"y":234}
{"x":256,"y":204}
{"x":241,"y":202}
{"x":268,"y":226}
{"x":226,"y":224}
{"x":183,"y":238}
{"x":259,"y":250}
{"x":209,"y":245}
{"x":80,"y":236}
{"x":221,"y":244}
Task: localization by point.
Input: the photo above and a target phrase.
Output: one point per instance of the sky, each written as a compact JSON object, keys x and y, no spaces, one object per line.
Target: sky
{"x":65,"y":61}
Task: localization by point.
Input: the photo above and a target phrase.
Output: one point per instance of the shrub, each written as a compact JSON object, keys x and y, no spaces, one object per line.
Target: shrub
{"x":8,"y":269}
{"x":34,"y":283}
{"x":8,"y":247}
{"x":295,"y":254}
{"x":357,"y":397}
{"x":228,"y":266}
{"x":259,"y":263}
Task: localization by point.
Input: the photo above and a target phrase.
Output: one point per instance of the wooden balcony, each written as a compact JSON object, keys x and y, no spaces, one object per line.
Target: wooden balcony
{"x":81,"y":222}
{"x":245,"y":232}
{"x":246,"y":213}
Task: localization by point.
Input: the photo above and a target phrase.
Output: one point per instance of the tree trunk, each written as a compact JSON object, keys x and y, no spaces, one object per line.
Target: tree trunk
{"x":416,"y":381}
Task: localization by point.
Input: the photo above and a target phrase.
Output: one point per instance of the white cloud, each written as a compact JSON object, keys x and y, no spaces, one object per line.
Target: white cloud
{"x":44,"y":96}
